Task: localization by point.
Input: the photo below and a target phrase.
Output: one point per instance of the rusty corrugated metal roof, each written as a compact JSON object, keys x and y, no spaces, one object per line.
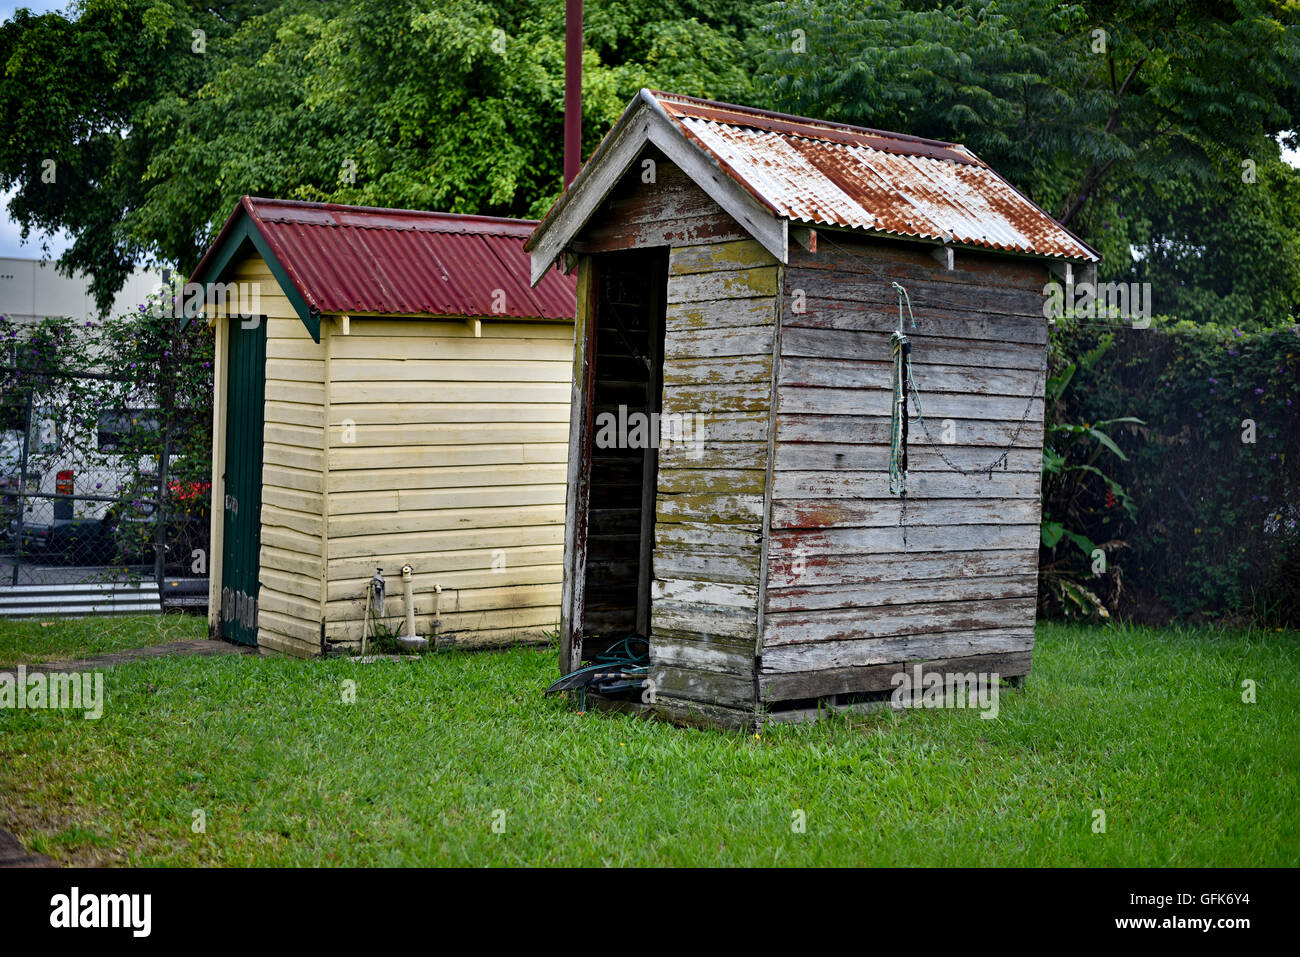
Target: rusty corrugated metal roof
{"x":817,"y":172}
{"x":358,"y":259}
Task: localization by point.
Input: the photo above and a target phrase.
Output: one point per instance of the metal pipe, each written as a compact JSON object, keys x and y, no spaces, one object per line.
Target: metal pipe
{"x":408,"y":596}
{"x":376,"y":595}
{"x":572,"y":89}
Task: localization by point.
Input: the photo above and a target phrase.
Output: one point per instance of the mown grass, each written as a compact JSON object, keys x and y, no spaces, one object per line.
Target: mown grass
{"x":1146,"y":725}
{"x":33,"y":640}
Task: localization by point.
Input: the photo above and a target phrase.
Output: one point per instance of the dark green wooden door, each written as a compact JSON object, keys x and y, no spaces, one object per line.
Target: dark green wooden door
{"x":245,"y":392}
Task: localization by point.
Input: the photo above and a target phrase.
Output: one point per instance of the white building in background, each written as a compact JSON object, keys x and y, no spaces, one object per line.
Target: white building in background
{"x":61,"y":459}
{"x":34,"y":289}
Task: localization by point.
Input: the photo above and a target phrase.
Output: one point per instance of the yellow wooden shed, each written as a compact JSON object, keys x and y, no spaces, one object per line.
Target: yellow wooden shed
{"x":390,"y":392}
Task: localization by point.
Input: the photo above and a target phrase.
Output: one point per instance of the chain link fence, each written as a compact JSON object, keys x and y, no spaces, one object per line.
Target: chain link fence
{"x":104,"y":499}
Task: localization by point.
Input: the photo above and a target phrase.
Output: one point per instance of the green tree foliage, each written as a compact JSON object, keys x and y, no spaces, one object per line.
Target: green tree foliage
{"x":74,"y":105}
{"x":1128,"y":121}
{"x":1060,"y":97}
{"x":450,"y":105}
{"x":1213,"y":525}
{"x":1226,"y":255}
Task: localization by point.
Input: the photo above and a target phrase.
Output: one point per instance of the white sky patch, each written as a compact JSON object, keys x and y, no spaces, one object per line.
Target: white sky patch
{"x":36,"y":6}
{"x":12,"y":245}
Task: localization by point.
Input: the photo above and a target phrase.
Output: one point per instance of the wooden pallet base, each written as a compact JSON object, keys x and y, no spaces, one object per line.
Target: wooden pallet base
{"x":876,"y":691}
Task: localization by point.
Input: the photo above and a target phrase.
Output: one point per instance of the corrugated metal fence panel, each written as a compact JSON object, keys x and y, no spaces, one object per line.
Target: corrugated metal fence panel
{"x":79,"y":600}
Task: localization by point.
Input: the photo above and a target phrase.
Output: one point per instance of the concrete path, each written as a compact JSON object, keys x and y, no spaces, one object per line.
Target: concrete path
{"x":202,"y":647}
{"x":13,"y":854}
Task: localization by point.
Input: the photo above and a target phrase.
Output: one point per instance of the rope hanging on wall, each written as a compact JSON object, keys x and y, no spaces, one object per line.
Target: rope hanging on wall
{"x":903,"y":384}
{"x":901,"y":349}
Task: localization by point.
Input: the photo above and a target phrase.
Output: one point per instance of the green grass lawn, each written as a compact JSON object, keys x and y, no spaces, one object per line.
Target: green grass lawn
{"x":1147,"y":725}
{"x":32,"y":640}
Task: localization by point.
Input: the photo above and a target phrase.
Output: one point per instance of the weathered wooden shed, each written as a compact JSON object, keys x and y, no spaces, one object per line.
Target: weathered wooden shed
{"x":738,"y":266}
{"x":389,"y":391}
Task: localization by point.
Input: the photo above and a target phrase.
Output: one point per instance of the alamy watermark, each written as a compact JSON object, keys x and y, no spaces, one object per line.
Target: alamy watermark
{"x":640,"y":430}
{"x":195,"y":298}
{"x":83,"y":691}
{"x":936,"y":689}
{"x":1125,"y":302}
{"x":74,"y":910}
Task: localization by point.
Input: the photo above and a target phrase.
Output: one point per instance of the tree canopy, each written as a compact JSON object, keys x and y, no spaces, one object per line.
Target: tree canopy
{"x":455,"y":106}
{"x":1132,"y":122}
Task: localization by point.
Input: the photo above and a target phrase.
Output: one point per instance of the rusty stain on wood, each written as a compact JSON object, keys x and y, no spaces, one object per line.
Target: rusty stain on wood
{"x":781,"y":574}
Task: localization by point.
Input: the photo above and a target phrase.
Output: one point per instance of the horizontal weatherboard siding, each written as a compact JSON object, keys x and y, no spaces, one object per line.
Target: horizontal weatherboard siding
{"x":447,"y":452}
{"x":850,"y":592}
{"x":438,"y":443}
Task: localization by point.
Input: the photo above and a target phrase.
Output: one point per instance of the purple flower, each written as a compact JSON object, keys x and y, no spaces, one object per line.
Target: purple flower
{"x":1232,"y":352}
{"x":1259,"y":391}
{"x":1214,"y":381}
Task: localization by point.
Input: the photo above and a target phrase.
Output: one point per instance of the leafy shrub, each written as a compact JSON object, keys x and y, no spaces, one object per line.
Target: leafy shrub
{"x":1212,"y":469}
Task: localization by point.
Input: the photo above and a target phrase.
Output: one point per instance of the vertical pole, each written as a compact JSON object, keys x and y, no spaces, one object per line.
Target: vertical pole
{"x":22,"y":487}
{"x":160,"y":510}
{"x":572,"y":89}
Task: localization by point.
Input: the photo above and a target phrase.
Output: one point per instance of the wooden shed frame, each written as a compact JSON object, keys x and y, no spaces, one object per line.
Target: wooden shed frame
{"x":752,"y":249}
{"x":325,"y":322}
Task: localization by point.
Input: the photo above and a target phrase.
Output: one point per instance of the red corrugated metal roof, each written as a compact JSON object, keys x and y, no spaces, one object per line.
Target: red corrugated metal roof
{"x":818,"y":172}
{"x":401,"y":262}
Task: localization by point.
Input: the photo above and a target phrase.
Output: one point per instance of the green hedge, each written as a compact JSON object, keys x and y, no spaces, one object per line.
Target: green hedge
{"x":1213,"y":471}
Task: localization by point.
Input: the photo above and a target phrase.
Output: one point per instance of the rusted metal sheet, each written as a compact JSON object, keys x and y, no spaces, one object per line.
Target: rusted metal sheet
{"x":831,"y":174}
{"x":355,"y":259}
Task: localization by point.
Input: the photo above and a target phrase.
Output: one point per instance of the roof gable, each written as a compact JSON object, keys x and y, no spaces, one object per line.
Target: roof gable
{"x":332,"y":259}
{"x":769,"y":169}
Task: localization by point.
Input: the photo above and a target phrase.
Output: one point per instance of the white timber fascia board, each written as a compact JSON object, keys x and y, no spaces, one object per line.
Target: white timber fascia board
{"x":587,"y":191}
{"x":647,"y":122}
{"x":771,"y":230}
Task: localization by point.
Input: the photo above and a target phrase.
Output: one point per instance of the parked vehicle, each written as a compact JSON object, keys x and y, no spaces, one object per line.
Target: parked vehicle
{"x":136,"y":522}
{"x":66,"y":541}
{"x":11,"y":451}
{"x":75,"y":481}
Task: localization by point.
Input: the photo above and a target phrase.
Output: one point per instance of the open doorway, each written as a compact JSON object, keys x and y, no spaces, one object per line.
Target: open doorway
{"x":627,"y":394}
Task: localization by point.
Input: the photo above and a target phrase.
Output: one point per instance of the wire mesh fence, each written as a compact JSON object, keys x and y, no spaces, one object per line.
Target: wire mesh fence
{"x":104,"y":502}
